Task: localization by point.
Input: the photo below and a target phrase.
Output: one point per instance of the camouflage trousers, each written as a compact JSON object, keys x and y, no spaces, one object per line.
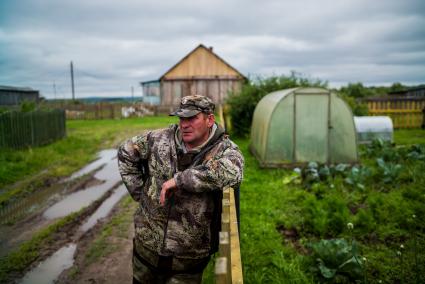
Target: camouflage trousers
{"x":148,"y":267}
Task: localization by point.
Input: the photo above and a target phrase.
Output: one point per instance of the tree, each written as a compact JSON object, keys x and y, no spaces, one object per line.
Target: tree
{"x":356,"y":90}
{"x":397,"y":87}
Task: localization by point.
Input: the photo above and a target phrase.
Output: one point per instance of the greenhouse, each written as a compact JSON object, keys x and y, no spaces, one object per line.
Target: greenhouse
{"x":295,"y":126}
{"x":370,"y":128}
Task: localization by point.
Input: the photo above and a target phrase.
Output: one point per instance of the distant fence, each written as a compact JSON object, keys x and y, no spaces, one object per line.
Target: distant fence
{"x":104,"y":110}
{"x":404,"y":112}
{"x":228,"y":266}
{"x":19,"y":130}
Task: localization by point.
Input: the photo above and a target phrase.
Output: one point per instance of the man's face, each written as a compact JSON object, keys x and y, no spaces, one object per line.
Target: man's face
{"x":195,"y":129}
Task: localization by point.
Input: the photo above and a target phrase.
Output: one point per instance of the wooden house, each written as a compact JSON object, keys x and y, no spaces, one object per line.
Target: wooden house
{"x":200,"y":72}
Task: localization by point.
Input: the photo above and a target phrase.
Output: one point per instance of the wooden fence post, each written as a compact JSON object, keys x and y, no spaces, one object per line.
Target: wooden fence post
{"x":221,"y":276}
{"x":229,"y":247}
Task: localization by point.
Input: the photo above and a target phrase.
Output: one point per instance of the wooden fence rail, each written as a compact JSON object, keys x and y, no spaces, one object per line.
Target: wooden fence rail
{"x":228,"y":266}
{"x":19,"y":130}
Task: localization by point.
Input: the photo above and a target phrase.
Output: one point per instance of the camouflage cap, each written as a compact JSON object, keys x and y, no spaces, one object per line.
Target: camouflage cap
{"x":192,"y":105}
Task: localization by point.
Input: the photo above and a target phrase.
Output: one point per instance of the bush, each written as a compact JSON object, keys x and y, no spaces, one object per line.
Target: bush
{"x":358,"y":107}
{"x":242,"y":105}
{"x":28,"y":106}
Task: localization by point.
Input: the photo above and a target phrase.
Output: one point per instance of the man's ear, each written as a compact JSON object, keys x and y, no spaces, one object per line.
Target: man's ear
{"x":211,"y":120}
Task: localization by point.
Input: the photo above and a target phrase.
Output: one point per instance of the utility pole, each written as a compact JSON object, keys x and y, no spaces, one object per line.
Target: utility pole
{"x":54,"y":89}
{"x":72,"y":82}
{"x":132,"y":94}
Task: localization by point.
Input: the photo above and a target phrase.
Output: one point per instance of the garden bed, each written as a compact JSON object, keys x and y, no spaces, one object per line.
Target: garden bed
{"x":285,"y":215}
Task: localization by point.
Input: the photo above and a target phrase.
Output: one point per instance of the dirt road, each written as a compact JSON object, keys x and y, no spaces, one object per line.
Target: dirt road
{"x":100,"y":233}
{"x":104,"y":253}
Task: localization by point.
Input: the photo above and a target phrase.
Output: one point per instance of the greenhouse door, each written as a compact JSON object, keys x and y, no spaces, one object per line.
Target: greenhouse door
{"x":311,"y":127}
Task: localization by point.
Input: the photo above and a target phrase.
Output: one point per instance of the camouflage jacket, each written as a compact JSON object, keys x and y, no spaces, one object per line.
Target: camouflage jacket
{"x":181,"y":228}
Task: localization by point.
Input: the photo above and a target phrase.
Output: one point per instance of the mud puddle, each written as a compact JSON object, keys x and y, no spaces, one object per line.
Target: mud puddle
{"x":49,"y":270}
{"x":104,"y":157}
{"x":105,"y":208}
{"x":77,"y":200}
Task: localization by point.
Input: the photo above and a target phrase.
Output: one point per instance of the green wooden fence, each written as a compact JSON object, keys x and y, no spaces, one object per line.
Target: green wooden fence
{"x":19,"y":130}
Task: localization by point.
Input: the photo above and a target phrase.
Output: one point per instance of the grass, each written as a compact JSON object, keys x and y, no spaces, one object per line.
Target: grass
{"x":409,"y":136}
{"x":36,"y":167}
{"x":264,"y":205}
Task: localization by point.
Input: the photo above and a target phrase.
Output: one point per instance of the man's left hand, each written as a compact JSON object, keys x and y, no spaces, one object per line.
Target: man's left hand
{"x":167,"y":188}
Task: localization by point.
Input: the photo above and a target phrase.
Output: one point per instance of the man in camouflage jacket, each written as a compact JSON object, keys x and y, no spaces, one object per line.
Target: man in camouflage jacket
{"x":177,"y":175}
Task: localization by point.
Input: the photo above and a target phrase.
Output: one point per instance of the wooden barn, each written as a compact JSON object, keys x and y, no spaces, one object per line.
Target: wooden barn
{"x":200,"y":72}
{"x":12,"y":96}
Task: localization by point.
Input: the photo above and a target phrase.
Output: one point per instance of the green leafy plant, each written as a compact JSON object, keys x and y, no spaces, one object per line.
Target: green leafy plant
{"x":336,"y":257}
{"x":339,"y":169}
{"x":357,"y":177}
{"x":389,"y":171}
{"x":416,"y":152}
{"x":382,"y":149}
{"x":325,"y":173}
{"x":310,"y":175}
{"x":294,"y":177}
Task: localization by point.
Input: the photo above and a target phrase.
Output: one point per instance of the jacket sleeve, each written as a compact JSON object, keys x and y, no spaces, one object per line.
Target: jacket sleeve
{"x":132,"y":164}
{"x":219,"y":172}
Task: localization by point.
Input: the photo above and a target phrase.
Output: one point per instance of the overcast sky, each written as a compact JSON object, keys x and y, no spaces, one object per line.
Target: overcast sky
{"x":116,"y":44}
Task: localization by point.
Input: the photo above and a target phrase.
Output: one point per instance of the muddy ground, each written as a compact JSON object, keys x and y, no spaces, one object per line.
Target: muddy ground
{"x":12,"y":235}
{"x":104,"y":253}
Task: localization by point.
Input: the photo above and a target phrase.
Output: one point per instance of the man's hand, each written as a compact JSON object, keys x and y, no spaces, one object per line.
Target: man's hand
{"x":167,"y":188}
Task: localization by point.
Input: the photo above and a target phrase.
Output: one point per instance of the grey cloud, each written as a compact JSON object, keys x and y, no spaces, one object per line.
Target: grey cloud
{"x":116,"y":45}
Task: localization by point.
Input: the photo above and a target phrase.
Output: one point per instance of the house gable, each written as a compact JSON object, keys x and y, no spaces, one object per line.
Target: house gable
{"x":202,"y":62}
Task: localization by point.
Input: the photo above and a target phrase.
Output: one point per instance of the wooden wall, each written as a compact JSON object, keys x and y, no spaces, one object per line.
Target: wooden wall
{"x":217,"y":89}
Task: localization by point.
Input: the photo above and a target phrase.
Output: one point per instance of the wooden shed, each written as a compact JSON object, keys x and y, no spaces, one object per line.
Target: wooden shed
{"x":10,"y":96}
{"x":200,"y":72}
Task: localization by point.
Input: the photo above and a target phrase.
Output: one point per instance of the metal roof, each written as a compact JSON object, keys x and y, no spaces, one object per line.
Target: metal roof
{"x":17,"y":89}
